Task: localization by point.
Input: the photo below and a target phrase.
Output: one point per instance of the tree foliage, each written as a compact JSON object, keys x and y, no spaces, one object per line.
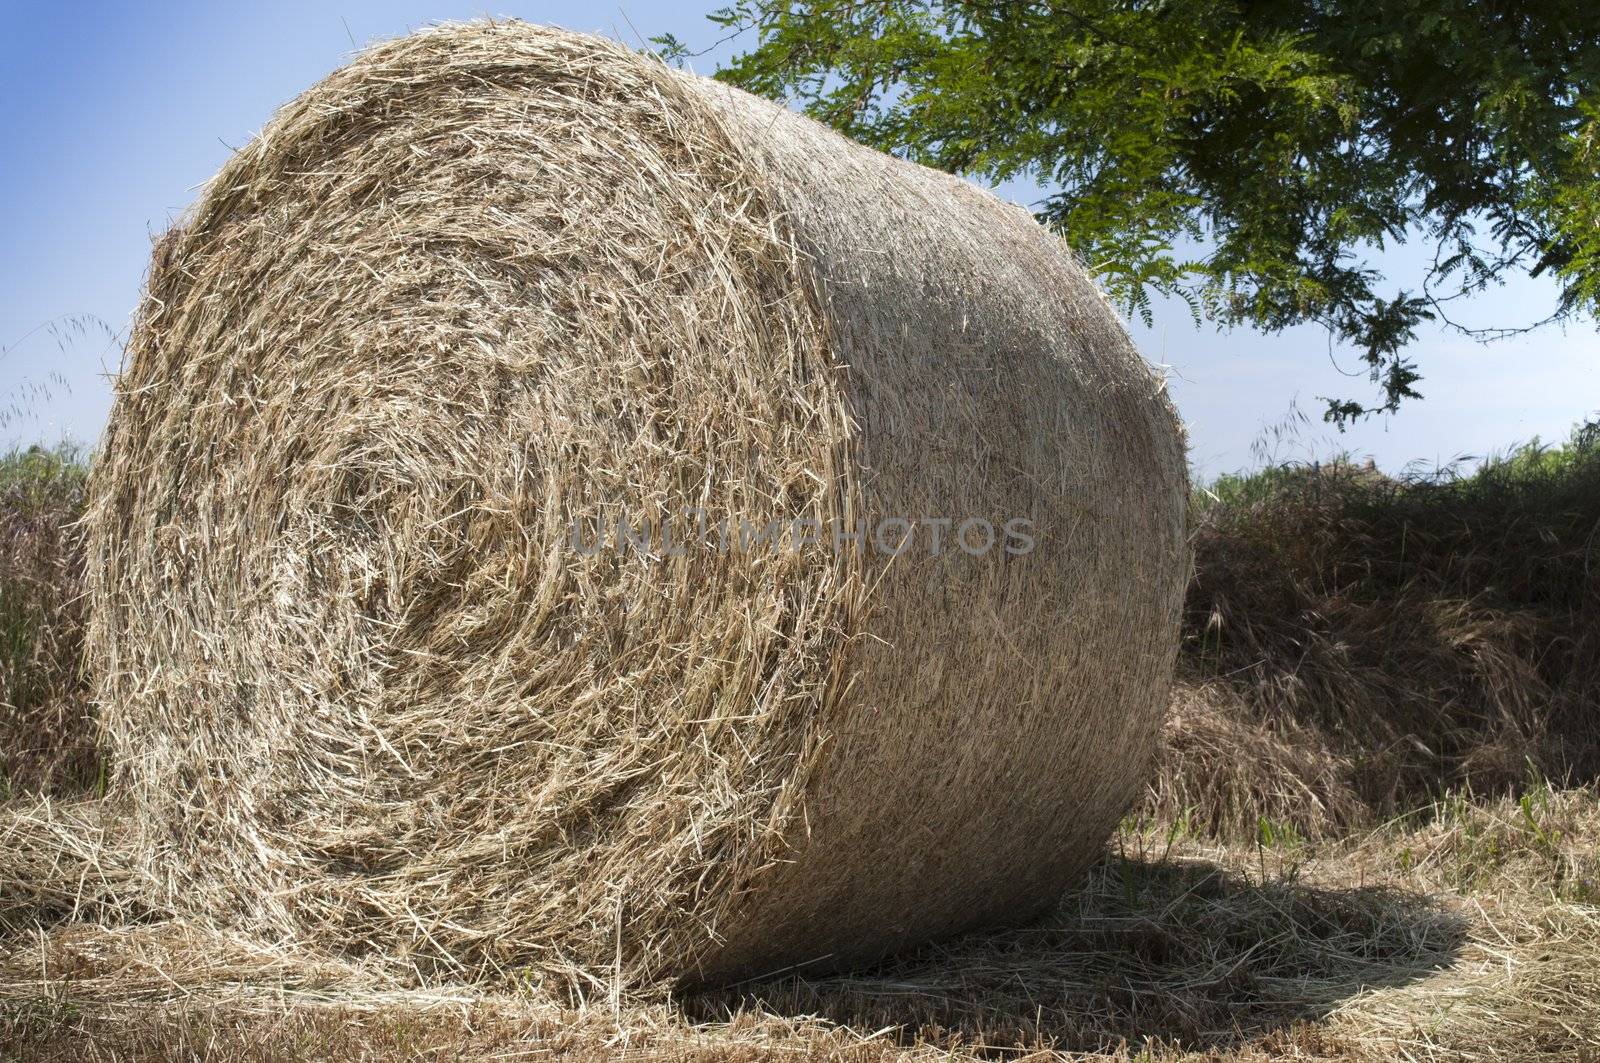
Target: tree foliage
{"x":1247,"y":157}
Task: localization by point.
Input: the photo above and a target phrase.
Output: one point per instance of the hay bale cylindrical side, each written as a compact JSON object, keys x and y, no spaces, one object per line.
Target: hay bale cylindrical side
{"x":374,"y":680}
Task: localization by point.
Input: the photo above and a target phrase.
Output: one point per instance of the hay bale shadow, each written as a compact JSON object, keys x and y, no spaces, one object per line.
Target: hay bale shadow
{"x":1186,"y":954}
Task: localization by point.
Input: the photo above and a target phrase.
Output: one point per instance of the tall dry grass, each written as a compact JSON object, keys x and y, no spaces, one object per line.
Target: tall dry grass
{"x":1376,"y":641}
{"x":46,"y":739}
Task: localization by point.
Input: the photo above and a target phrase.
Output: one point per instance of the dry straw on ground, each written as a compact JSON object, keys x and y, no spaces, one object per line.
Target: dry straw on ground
{"x":491,"y":280}
{"x":1468,"y":935}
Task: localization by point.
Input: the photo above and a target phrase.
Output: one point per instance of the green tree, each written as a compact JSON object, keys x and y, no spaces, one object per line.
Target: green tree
{"x":1248,"y":157}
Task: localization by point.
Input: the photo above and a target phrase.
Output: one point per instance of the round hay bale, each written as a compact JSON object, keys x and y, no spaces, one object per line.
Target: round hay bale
{"x":374,"y":680}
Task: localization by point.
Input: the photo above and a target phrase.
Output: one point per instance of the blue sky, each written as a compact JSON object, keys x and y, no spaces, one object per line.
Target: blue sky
{"x":117,"y":113}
